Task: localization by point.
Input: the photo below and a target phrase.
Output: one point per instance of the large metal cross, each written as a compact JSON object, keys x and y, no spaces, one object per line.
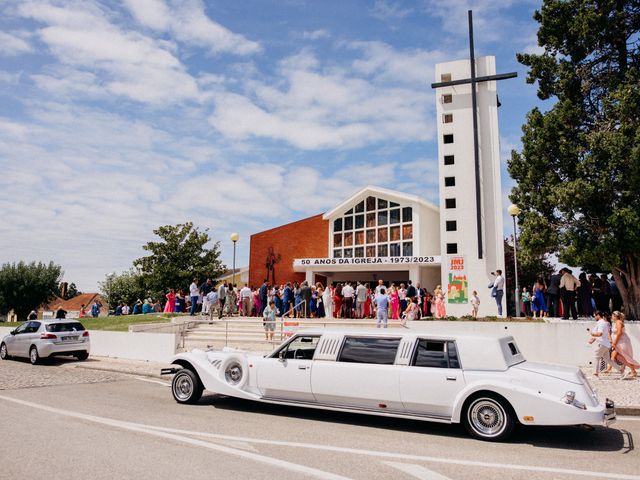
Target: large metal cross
{"x":474,"y":105}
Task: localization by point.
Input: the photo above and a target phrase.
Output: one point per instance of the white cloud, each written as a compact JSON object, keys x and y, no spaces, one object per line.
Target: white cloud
{"x":388,"y":10}
{"x":187,"y":20}
{"x":489,"y":23}
{"x":131,"y":64}
{"x":12,"y":44}
{"x":312,"y":106}
{"x":316,"y":35}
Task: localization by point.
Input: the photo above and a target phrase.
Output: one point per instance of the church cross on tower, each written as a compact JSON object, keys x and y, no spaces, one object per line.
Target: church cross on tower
{"x":473,"y":80}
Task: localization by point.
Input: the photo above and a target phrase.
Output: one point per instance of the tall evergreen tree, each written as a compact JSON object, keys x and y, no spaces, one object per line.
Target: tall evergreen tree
{"x":578,"y":175}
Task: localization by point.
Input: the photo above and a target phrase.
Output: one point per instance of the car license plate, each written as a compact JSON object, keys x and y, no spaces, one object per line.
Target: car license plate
{"x":70,"y":339}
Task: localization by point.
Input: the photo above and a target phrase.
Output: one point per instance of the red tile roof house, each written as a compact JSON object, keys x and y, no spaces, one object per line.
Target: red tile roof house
{"x":73,"y":305}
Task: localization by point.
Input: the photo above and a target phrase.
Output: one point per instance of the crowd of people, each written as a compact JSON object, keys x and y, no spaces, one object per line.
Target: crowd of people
{"x":564,"y":295}
{"x":301,"y":300}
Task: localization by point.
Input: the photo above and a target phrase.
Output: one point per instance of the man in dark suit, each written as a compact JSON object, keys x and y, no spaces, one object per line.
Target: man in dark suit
{"x":553,"y":290}
{"x":305,"y":294}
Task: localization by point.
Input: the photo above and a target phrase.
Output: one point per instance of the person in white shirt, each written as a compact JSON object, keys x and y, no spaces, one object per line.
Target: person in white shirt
{"x":347,"y":294}
{"x":601,"y":337}
{"x":194,"y":293}
{"x":498,"y":290}
{"x":361,"y":299}
{"x":246,"y":296}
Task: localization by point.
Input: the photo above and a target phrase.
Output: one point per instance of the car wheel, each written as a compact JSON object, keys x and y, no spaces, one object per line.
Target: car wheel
{"x":34,"y":357}
{"x":489,"y":417}
{"x":4,"y":355}
{"x":186,"y":386}
{"x":82,"y":356}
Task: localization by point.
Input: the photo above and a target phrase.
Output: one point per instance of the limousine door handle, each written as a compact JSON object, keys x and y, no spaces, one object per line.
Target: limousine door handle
{"x":302,"y":367}
{"x":453,"y":379}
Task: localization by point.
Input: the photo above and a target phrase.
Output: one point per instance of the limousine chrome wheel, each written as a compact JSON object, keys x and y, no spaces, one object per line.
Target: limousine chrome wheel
{"x":186,"y":387}
{"x":489,"y":418}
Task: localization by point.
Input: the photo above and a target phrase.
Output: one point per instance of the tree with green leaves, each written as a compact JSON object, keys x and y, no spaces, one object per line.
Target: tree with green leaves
{"x":70,"y":290}
{"x":183,"y":253}
{"x":578,"y":174}
{"x":27,"y":286}
{"x":126,"y":287}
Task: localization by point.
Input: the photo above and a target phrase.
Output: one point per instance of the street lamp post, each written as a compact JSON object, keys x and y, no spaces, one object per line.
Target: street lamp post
{"x":234,"y":238}
{"x":514,"y":211}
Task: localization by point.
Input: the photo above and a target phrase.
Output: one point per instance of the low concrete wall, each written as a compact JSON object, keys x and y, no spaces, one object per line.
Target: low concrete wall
{"x":156,"y":347}
{"x":563,"y":343}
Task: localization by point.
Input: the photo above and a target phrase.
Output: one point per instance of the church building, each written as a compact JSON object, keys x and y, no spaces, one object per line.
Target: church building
{"x":380,"y":234}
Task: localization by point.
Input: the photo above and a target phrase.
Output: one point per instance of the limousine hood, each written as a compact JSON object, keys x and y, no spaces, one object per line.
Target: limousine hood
{"x":569,"y":374}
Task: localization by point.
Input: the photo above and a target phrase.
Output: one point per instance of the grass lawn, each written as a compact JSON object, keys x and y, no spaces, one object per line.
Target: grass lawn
{"x":121,"y":323}
{"x":116,"y":324}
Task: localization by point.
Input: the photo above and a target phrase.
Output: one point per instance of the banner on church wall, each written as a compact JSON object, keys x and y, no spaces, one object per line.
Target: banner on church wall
{"x":458,"y":282}
{"x":425,"y":260}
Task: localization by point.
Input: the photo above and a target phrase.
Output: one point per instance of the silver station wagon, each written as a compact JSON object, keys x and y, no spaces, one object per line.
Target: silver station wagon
{"x":38,"y":339}
{"x":483,"y":382}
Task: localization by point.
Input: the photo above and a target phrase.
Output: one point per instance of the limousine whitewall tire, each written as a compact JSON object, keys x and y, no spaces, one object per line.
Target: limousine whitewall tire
{"x":488,"y":416}
{"x":186,"y":386}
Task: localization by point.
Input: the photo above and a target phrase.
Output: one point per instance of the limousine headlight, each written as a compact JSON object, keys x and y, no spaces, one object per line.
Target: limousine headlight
{"x":570,"y":399}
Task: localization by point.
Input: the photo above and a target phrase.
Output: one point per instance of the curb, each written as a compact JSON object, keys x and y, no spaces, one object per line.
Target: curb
{"x":630,"y":411}
{"x":127,"y":371}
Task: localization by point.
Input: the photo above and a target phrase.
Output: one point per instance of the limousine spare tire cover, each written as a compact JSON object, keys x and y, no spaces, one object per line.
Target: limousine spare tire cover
{"x":234,"y":372}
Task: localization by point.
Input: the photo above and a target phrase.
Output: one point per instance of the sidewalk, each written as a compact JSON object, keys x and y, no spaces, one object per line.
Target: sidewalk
{"x":625,"y":393}
{"x":119,"y":365}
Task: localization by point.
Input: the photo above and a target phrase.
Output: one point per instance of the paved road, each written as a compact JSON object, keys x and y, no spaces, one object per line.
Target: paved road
{"x":59,"y":422}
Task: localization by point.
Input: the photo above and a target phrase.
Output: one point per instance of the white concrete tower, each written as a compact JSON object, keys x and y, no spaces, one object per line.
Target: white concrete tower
{"x":471,"y":231}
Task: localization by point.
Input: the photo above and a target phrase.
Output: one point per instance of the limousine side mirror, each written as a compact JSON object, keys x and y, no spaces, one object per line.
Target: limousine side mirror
{"x":281,"y":355}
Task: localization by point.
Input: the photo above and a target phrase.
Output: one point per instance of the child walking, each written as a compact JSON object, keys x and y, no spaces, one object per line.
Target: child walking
{"x":475,"y":304}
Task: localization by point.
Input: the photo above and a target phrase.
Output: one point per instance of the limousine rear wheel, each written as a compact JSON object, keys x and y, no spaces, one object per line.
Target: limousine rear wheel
{"x":186,"y":386}
{"x":489,"y":417}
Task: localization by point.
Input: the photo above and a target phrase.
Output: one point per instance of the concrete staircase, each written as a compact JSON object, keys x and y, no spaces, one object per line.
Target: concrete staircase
{"x":247,"y":333}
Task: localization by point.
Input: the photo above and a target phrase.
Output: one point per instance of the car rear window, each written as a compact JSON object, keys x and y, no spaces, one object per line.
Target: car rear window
{"x":65,"y":327}
{"x":381,"y":351}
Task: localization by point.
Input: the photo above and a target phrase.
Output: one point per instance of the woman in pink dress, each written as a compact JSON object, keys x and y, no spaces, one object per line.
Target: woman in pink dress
{"x":395,"y":302}
{"x":171,"y":302}
{"x":439,"y":299}
{"x":621,"y":343}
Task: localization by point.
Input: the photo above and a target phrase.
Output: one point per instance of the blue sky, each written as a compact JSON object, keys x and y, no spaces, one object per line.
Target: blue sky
{"x":118,"y":117}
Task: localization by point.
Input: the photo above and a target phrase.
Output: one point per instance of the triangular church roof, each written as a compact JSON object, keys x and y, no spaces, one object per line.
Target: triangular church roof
{"x":369,"y":190}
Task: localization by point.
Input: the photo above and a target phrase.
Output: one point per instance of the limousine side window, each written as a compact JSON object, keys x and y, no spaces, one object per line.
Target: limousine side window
{"x":380,"y":351}
{"x":300,"y":348}
{"x":436,"y":354}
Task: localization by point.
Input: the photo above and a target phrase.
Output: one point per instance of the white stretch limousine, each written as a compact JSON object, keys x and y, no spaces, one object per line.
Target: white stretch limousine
{"x":482,"y":381}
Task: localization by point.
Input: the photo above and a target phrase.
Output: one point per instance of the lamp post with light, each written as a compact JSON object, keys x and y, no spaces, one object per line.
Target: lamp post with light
{"x":514,"y":211}
{"x":234,"y":238}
